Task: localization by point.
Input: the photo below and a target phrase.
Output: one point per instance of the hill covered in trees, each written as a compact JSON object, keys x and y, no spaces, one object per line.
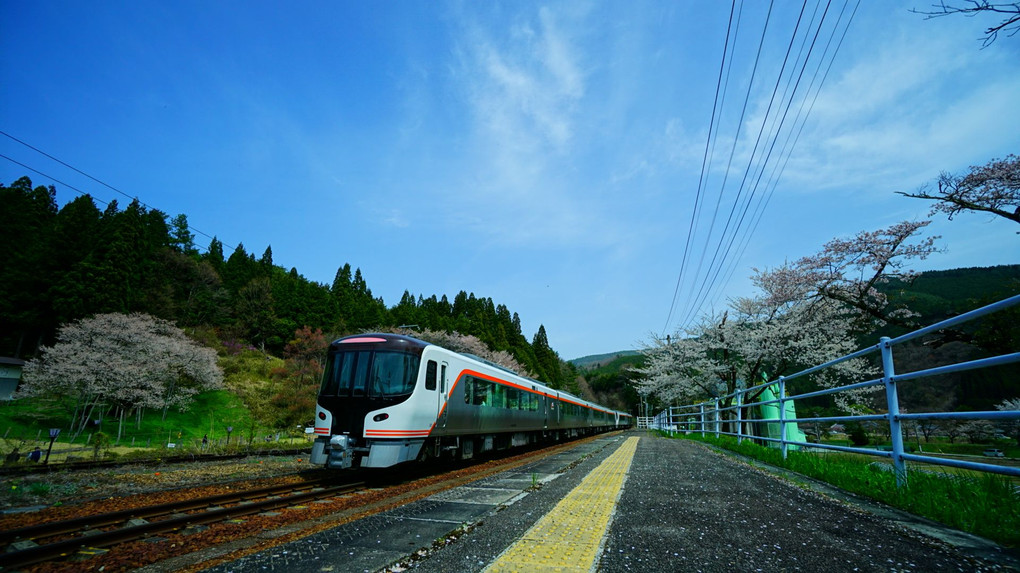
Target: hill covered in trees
{"x":609,"y":378}
{"x":937,"y":295}
{"x":66,"y":264}
{"x":596,"y":360}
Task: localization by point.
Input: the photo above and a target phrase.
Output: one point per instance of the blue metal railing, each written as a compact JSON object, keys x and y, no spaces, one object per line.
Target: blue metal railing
{"x":709,"y":417}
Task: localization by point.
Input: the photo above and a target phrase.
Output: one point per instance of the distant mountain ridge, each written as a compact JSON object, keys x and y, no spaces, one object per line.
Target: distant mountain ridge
{"x":596,"y":360}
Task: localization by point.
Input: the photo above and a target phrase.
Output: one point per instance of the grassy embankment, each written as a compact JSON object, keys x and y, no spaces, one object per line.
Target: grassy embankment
{"x":25,"y":424}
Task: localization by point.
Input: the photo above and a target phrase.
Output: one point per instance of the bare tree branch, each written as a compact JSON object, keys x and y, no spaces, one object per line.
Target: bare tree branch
{"x":1010,"y":25}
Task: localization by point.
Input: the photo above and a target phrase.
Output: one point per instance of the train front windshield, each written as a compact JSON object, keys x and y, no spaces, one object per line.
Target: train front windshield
{"x":370,"y":373}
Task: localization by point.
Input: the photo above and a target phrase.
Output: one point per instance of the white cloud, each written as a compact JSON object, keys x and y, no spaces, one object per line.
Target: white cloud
{"x":903,"y":108}
{"x":395,"y":218}
{"x":524,"y":85}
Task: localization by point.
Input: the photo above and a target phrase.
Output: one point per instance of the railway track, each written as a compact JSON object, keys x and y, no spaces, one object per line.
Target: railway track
{"x":30,"y":469}
{"x":175,"y":538}
{"x":64,"y":538}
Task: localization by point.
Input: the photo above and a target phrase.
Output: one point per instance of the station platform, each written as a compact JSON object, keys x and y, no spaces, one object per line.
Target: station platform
{"x":634,"y":501}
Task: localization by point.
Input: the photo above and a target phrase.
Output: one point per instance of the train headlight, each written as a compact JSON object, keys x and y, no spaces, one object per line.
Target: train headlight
{"x":322,"y":415}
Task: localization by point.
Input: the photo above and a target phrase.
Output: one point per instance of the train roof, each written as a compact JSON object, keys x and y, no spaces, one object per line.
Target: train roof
{"x":415,"y":345}
{"x":397,"y":341}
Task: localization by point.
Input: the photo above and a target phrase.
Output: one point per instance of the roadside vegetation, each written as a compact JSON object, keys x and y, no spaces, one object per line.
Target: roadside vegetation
{"x":25,"y":425}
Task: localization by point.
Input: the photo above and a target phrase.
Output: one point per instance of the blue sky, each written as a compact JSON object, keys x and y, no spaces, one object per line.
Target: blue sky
{"x":546,"y":155}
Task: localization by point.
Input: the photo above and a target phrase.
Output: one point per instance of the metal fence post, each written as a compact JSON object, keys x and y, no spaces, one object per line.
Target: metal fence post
{"x":782,"y":416}
{"x":893,"y":402}
{"x":718,"y":419}
{"x":702,"y":419}
{"x":740,"y":423}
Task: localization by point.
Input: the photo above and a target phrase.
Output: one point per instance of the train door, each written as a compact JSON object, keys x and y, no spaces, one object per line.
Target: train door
{"x":444,"y":413}
{"x":545,"y":409}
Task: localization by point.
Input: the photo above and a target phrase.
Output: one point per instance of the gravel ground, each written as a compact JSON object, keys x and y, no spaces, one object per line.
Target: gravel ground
{"x":686,"y":508}
{"x":486,"y":540}
{"x":61,"y":487}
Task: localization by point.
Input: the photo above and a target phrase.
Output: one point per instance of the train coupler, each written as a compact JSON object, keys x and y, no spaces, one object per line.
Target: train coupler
{"x":341,"y":452}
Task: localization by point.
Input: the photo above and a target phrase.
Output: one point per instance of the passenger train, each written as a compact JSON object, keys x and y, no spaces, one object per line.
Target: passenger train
{"x":386,"y":399}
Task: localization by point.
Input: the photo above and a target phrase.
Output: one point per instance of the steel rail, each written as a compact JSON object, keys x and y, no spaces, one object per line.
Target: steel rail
{"x":60,"y":549}
{"x":54,"y":528}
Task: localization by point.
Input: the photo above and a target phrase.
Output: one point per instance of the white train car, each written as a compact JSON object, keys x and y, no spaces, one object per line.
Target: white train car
{"x":386,"y":399}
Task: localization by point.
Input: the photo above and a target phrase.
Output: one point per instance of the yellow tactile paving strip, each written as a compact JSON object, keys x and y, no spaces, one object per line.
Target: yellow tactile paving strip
{"x":569,"y":537}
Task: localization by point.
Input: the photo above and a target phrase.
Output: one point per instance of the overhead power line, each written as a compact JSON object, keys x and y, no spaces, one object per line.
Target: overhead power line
{"x":53,"y":179}
{"x":785,"y":117}
{"x":704,"y":163}
{"x":773,"y":182}
{"x":79,"y":171}
{"x":707,"y":283}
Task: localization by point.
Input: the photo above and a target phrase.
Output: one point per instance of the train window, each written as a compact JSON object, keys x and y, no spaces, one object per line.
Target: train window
{"x":330,"y":380}
{"x":394,"y":374}
{"x":360,"y":370}
{"x":339,"y":382}
{"x":498,"y":396}
{"x":469,"y":387}
{"x":442,"y":378}
{"x":482,"y":393}
{"x":430,"y":375}
{"x":513,"y":398}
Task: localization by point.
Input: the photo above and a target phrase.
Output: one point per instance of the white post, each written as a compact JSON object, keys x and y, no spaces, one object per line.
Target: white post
{"x":740,"y":422}
{"x":718,"y":418}
{"x":782,"y":415}
{"x":893,"y":401}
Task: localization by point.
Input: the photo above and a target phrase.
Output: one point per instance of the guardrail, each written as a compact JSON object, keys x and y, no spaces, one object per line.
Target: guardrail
{"x":711,"y":416}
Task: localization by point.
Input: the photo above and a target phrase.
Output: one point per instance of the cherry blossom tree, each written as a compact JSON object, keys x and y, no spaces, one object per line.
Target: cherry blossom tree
{"x":779,"y":332}
{"x":118,"y":363}
{"x":849,"y":271}
{"x":806,"y":313}
{"x":1010,"y":427}
{"x":991,"y":188}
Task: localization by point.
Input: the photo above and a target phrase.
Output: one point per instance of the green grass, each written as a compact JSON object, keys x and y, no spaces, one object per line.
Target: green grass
{"x":988,"y":506}
{"x":25,"y":424}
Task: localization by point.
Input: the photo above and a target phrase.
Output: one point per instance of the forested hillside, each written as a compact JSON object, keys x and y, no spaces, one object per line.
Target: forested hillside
{"x":938,"y":295}
{"x":596,"y":360}
{"x":610,"y":379}
{"x":66,"y":264}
